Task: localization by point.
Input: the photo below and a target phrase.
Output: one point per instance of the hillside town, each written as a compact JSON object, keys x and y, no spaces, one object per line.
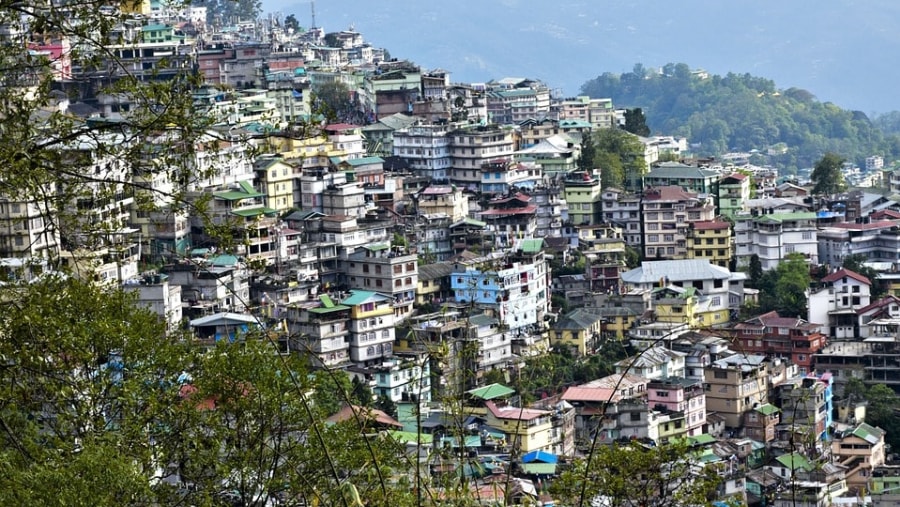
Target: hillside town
{"x":433,"y":238}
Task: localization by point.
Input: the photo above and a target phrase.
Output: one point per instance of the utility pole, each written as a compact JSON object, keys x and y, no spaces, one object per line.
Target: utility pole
{"x":312,"y":6}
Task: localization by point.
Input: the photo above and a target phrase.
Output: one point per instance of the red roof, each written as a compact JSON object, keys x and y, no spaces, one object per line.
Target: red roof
{"x":516,"y":413}
{"x":737,"y":176}
{"x":518,"y":196}
{"x":351,"y":412}
{"x":841,"y":273}
{"x":774,"y":320}
{"x":595,"y":394}
{"x":881,"y":303}
{"x":885,"y":213}
{"x":711,"y":225}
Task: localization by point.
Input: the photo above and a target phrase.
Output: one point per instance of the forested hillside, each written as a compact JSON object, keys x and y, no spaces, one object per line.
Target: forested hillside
{"x":743,"y":112}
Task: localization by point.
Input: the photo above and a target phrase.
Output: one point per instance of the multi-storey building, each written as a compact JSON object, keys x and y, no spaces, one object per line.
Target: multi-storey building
{"x":835,"y":305}
{"x":346,"y":139}
{"x":501,"y":176}
{"x":276,"y":180}
{"x":371,"y":326}
{"x":472,"y":147}
{"x":710,"y":239}
{"x":776,"y":336}
{"x":604,"y":248}
{"x":735,"y":385}
{"x":682,"y":396}
{"x":323,"y":332}
{"x":583,"y":197}
{"x":734,"y":191}
{"x":392,"y":271}
{"x":772,"y":236}
{"x":804,"y":406}
{"x":380,"y":135}
{"x":513,"y":100}
{"x":712,"y":287}
{"x":509,"y":219}
{"x":556,"y":155}
{"x":860,"y":448}
{"x":676,"y":174}
{"x":667,"y":215}
{"x":26,"y":228}
{"x":551,"y":210}
{"x":624,"y":211}
{"x":348,"y":199}
{"x":219,"y":286}
{"x":405,"y":378}
{"x":426,"y":150}
{"x":600,"y":113}
{"x":877,"y":240}
{"x":534,"y":130}
{"x":155,"y":293}
{"x":526,"y":429}
{"x":514,"y":285}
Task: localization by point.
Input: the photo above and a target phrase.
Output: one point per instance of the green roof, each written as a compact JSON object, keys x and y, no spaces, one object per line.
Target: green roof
{"x":702,"y":439}
{"x":410,"y":437}
{"x":538,"y":468}
{"x":254,"y":212}
{"x":767,"y":409}
{"x":358,"y":297}
{"x":365,"y":161}
{"x":491,"y":392}
{"x":868,"y":433}
{"x":781,"y":217}
{"x":326,"y":301}
{"x":794,"y":461}
{"x":322,"y":310}
{"x":469,"y":441}
{"x":223,"y":260}
{"x":532,"y":245}
{"x":246,"y":192}
{"x":376,"y":247}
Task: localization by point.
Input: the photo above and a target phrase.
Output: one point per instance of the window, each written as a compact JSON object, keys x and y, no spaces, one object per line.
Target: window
{"x":807,"y":235}
{"x":719,"y":374}
{"x":635,"y":416}
{"x":669,"y":237}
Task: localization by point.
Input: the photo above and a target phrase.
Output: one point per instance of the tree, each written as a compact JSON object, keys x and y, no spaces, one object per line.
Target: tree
{"x":632,"y":474}
{"x":636,"y":122}
{"x":754,"y":272}
{"x":827,"y":175}
{"x":627,"y":149}
{"x":586,"y":157}
{"x":228,"y":12}
{"x":333,"y":101}
{"x":793,"y":282}
{"x":291,"y":23}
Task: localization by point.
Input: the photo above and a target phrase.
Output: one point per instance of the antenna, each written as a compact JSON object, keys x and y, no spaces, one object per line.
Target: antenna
{"x":312,"y":6}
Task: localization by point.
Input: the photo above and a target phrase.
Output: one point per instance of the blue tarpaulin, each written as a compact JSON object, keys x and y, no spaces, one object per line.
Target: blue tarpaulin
{"x":540,"y":457}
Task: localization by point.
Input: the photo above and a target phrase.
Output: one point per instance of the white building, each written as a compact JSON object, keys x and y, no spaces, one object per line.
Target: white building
{"x":836,"y":304}
{"x":772,"y":236}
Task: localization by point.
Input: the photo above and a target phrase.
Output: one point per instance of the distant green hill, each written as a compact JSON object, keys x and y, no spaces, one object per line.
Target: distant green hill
{"x":735,"y":112}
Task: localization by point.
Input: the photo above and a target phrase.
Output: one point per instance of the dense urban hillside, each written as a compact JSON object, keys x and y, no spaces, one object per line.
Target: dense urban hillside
{"x":741,"y":112}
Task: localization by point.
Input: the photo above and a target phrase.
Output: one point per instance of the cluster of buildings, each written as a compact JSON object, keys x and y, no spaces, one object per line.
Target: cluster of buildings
{"x":410,"y":243}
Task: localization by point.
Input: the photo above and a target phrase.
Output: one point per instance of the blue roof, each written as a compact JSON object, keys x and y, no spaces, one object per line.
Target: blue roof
{"x":539,"y":456}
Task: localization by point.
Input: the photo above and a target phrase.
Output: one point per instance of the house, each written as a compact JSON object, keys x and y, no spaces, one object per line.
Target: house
{"x":710,"y":239}
{"x":712,"y":285}
{"x":596,"y":397}
{"x":776,"y":336}
{"x":837,"y":302}
{"x":223,"y":326}
{"x":676,"y":174}
{"x":653,"y":363}
{"x":736,"y":385}
{"x":371,"y":326}
{"x":773,"y":235}
{"x":580,"y":330}
{"x":682,"y":396}
{"x":667,"y":214}
{"x":390,"y":270}
{"x":734,"y":192}
{"x":760,"y":423}
{"x":582,"y":194}
{"x":526,"y":429}
{"x":861,"y":449}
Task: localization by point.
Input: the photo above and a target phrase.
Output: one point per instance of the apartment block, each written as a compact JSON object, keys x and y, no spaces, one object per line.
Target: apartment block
{"x":667,"y":215}
{"x":772,"y":236}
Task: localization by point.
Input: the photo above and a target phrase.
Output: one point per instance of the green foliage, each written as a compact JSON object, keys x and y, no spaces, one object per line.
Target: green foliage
{"x":620,"y":157}
{"x":291,"y":23}
{"x":754,"y":272}
{"x":881,"y":402}
{"x":587,"y":155}
{"x":551,"y":373}
{"x":632,"y":474}
{"x":740,"y":112}
{"x":828,"y":175}
{"x":632,"y":257}
{"x":791,"y":286}
{"x":332,"y":100}
{"x":636,"y":122}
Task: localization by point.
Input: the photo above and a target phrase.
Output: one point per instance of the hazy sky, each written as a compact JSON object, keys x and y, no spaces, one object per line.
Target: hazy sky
{"x":840,"y":50}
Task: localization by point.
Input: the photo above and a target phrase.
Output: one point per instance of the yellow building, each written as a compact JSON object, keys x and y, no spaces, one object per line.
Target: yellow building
{"x":710,"y":239}
{"x":526,"y":429}
{"x":276,"y":181}
{"x":676,"y":305}
{"x":579,"y":330}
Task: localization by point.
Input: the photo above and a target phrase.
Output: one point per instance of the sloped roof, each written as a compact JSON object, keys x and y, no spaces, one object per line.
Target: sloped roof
{"x":491,"y":392}
{"x":870,"y":434}
{"x":676,"y":271}
{"x":841,"y":273}
{"x":351,"y":412}
{"x":223,"y":319}
{"x":515,"y":413}
{"x":578,"y":319}
{"x":767,"y":409}
{"x":794,"y":461}
{"x":429,"y":272}
{"x":358,"y":297}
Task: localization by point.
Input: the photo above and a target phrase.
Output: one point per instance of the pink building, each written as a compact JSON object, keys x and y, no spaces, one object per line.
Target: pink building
{"x":680,"y":395}
{"x":58,"y":53}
